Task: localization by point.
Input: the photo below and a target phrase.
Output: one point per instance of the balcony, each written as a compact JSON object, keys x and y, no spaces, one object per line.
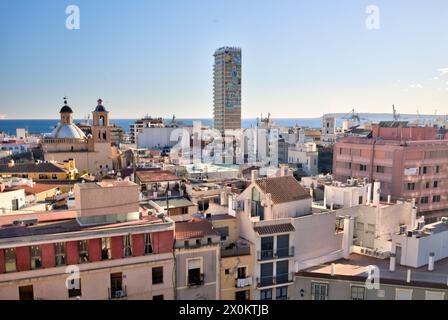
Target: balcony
{"x":268,"y":281}
{"x":243,"y":282}
{"x":280,"y":253}
{"x":117,"y":293}
{"x":235,"y":250}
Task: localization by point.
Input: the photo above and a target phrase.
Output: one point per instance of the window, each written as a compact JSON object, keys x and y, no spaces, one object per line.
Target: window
{"x":360,"y":226}
{"x":434,"y":295}
{"x":106,"y":252}
{"x":360,"y":200}
{"x":74,"y":289}
{"x":157,"y":275}
{"x":184,"y":210}
{"x":241,"y":273}
{"x":435,"y":184}
{"x":282,"y":275}
{"x":36,"y":257}
{"x":116,"y":285}
{"x":148,"y":245}
{"x":437,"y":169}
{"x":242,"y":295}
{"x":209,"y":241}
{"x":435,"y":198}
{"x":186,"y":244}
{"x":425,"y":170}
{"x":427,"y":185}
{"x":203,"y":204}
{"x":158,"y":297}
{"x":59,"y":253}
{"x":26,"y":293}
{"x":281,"y":293}
{"x":195,"y":278}
{"x":370,"y":228}
{"x":266,"y":274}
{"x":10,"y":260}
{"x":257,"y":210}
{"x":362,"y":167}
{"x":198,"y":242}
{"x":127,"y":246}
{"x":283,"y":246}
{"x":319,"y":291}
{"x":266,"y":294}
{"x":267,"y":246}
{"x":83,"y":251}
{"x":403,"y":294}
{"x":358,"y":293}
{"x":224,"y":233}
{"x":227,"y":271}
{"x":380,"y":169}
{"x":411,"y":186}
{"x":424,"y":200}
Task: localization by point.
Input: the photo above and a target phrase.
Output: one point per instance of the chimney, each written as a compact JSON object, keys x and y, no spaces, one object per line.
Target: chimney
{"x":389,"y":199}
{"x":392,"y":262}
{"x":11,"y":163}
{"x":223,"y":198}
{"x":369,"y":193}
{"x":376,"y":193}
{"x":347,"y":239}
{"x":408,"y":278}
{"x":254,"y":175}
{"x":431,"y":261}
{"x":333,"y":269}
{"x":413,"y":217}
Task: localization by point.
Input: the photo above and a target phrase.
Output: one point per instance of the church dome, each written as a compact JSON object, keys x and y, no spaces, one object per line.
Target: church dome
{"x":67,"y":131}
{"x":100,"y":107}
{"x":66,"y":108}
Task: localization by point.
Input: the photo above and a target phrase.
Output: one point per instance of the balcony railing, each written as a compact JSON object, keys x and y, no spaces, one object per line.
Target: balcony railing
{"x":275,"y":280}
{"x":243,"y":282}
{"x":275,"y":254}
{"x":117,"y":294}
{"x":235,"y":251}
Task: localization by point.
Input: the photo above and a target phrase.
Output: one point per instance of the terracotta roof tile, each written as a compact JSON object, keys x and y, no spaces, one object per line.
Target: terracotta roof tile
{"x":283,"y":189}
{"x":195,"y":228}
{"x":156,"y":176}
{"x":273,"y":229}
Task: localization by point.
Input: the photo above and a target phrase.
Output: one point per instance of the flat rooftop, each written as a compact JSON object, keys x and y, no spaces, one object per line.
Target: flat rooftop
{"x":208,"y":168}
{"x":106,"y":184}
{"x":356,"y":268}
{"x":60,"y":222}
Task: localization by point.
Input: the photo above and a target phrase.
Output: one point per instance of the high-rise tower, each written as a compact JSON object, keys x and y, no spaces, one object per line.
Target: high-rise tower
{"x":227,"y":88}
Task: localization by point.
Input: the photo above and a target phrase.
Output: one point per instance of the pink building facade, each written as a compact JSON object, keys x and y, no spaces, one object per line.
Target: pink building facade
{"x":407,"y":169}
{"x":122,"y":255}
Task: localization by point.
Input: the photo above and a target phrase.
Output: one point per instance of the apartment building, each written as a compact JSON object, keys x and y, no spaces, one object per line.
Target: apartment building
{"x":264,"y":219}
{"x":227,"y":89}
{"x":410,"y":162}
{"x":236,"y":262}
{"x":197,"y":249}
{"x":40,"y":171}
{"x":106,"y":248}
{"x":351,"y":280}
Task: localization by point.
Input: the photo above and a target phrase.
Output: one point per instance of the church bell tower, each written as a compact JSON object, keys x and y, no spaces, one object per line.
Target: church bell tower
{"x":100,"y":127}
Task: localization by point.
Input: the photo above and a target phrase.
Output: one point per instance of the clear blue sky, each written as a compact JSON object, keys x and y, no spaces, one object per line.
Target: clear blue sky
{"x":300,"y":58}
